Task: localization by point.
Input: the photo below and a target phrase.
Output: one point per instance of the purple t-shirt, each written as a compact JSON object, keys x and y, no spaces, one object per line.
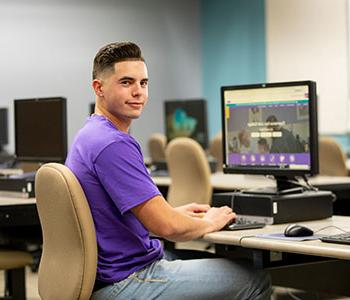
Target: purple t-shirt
{"x":109,"y":166}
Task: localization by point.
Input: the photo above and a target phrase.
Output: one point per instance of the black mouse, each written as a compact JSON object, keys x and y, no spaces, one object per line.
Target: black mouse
{"x":297,"y":230}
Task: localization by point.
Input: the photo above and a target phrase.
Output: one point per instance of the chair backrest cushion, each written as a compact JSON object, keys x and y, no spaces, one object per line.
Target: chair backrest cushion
{"x":332,"y":158}
{"x":68,"y":265}
{"x":189,"y":171}
{"x":156,"y":147}
{"x":215,"y":149}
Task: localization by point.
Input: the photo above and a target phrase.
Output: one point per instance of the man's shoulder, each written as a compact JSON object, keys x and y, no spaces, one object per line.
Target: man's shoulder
{"x":100,"y":130}
{"x":99,"y":134}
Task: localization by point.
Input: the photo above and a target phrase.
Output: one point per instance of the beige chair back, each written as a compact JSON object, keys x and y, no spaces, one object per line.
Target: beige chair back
{"x":215,"y":150}
{"x":69,"y":260}
{"x":332,"y":158}
{"x":189,"y":171}
{"x":156,"y":147}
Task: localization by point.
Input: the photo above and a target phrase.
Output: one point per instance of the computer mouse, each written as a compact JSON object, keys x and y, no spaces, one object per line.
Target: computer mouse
{"x":297,"y":230}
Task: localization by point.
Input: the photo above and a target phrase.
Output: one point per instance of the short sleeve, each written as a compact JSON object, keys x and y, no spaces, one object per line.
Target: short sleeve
{"x":122,"y":173}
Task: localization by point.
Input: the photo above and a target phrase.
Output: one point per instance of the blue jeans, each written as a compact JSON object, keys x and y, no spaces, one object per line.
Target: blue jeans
{"x":202,"y":279}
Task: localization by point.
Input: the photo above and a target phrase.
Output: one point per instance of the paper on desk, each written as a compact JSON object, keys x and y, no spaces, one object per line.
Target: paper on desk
{"x":281,"y":236}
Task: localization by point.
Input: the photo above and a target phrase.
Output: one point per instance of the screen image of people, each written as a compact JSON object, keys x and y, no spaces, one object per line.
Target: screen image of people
{"x":271,"y":128}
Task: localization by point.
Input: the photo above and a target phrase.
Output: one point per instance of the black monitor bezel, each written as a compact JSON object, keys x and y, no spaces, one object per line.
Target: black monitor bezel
{"x":92,"y":108}
{"x":313,"y":123}
{"x":4,"y":140}
{"x":204,"y":145}
{"x":64,"y":147}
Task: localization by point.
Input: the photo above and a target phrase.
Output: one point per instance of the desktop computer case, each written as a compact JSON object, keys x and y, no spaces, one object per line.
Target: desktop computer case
{"x":276,"y":209}
{"x":17,"y":187}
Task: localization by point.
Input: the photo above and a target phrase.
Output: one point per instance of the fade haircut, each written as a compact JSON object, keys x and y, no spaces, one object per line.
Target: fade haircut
{"x":112,"y":53}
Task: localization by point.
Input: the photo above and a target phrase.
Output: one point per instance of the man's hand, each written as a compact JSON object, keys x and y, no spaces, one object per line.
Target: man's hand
{"x":219,"y":217}
{"x":194,"y":209}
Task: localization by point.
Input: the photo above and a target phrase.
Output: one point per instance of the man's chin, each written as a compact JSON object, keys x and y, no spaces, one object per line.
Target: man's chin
{"x":134,"y":117}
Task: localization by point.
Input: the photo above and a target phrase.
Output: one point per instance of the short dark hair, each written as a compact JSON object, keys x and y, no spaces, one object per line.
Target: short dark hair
{"x":112,"y":53}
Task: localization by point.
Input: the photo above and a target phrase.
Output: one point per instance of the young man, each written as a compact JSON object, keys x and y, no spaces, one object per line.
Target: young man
{"x":126,"y":205}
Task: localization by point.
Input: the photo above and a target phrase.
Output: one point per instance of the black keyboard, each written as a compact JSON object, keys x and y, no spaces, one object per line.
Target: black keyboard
{"x":342,"y":238}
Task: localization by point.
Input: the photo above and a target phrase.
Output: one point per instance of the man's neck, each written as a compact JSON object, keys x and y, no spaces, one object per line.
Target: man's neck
{"x":121,"y":125}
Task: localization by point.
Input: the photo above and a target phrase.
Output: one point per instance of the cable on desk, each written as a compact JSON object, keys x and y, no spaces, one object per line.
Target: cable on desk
{"x":309,"y":185}
{"x":243,"y":237}
{"x":330,"y":226}
{"x":295,"y":182}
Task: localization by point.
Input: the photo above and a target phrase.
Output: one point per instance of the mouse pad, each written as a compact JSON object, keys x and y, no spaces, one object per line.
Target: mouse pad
{"x":281,"y":236}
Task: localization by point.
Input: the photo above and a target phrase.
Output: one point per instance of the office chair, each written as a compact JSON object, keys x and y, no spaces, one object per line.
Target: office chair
{"x":156,"y":147}
{"x":69,"y":260}
{"x":332,"y":158}
{"x":215,"y":150}
{"x":189,"y":171}
{"x":13,"y":263}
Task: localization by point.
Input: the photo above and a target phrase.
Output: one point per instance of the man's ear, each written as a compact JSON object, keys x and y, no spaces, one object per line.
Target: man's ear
{"x":97,"y":86}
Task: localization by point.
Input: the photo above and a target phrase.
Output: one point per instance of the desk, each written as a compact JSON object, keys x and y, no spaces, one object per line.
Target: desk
{"x":228,"y":182}
{"x":310,"y":265}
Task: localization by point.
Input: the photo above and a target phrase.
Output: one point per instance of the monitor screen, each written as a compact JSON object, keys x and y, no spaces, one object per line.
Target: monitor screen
{"x":270,"y":128}
{"x":187,"y":118}
{"x":3,"y":127}
{"x":40,"y":129}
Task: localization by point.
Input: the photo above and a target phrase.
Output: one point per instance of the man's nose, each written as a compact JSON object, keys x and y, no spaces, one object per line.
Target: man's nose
{"x":137,"y":90}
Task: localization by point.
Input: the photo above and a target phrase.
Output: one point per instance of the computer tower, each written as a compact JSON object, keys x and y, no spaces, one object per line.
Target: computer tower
{"x":276,"y":209}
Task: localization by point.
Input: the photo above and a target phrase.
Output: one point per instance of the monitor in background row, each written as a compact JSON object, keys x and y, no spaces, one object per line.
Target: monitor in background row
{"x":3,"y":128}
{"x":40,"y":129}
{"x":92,"y":108}
{"x":187,"y":118}
{"x":271,"y":129}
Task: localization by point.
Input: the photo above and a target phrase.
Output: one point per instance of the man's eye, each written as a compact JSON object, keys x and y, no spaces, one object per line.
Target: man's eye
{"x":144,"y":83}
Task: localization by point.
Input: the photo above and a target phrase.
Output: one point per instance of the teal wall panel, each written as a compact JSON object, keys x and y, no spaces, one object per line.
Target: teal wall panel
{"x":233,"y":49}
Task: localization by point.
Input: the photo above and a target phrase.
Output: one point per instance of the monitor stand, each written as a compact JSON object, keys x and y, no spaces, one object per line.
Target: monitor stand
{"x":284,"y":186}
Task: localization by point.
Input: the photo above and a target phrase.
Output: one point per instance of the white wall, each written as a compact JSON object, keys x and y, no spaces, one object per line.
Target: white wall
{"x":47,"y":47}
{"x":308,"y":39}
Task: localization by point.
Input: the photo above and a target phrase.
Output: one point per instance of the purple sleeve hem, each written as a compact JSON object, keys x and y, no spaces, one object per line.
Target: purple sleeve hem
{"x":131,"y":205}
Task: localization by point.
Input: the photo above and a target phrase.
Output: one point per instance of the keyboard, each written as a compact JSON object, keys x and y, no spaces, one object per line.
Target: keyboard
{"x":243,"y":226}
{"x":342,"y":238}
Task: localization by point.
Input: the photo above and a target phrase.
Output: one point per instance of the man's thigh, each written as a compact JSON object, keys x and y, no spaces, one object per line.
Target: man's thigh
{"x":214,"y":278}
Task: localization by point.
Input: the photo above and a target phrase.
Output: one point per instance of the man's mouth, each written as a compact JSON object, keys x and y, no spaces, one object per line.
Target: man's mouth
{"x":134,"y":104}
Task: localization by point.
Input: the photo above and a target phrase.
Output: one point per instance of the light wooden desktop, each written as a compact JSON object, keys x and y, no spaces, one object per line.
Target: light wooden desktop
{"x":309,"y":265}
{"x":16,"y":201}
{"x":248,"y":239}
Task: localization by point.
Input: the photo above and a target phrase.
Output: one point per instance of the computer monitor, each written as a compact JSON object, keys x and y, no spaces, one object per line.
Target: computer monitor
{"x":187,"y":118}
{"x":3,"y":127}
{"x":40,"y":129}
{"x":92,"y":108}
{"x":270,"y":129}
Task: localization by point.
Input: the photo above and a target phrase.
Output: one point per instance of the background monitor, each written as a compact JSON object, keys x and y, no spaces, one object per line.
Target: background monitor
{"x":187,"y":118}
{"x":3,"y":127}
{"x":270,"y":129}
{"x":40,"y":129}
{"x":92,"y":108}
